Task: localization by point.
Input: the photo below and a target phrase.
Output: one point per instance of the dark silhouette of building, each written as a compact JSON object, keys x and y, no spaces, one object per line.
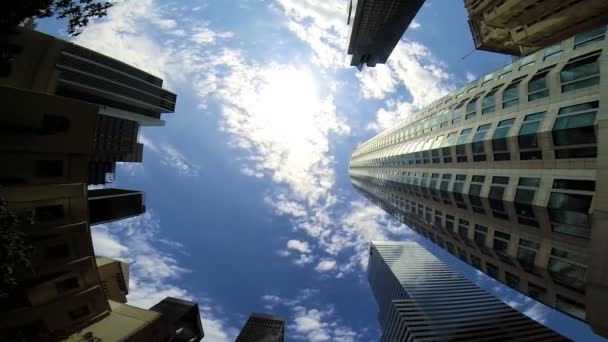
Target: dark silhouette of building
{"x":508,"y":174}
{"x":183,"y":317}
{"x":126,"y":97}
{"x":420,"y":298}
{"x":377,"y":27}
{"x":520,"y":27}
{"x":262,"y":328}
{"x":106,"y":205}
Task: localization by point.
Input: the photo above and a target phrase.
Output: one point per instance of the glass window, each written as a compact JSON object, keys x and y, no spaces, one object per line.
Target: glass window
{"x":574,"y":184}
{"x":478,"y":143}
{"x":489,"y":102}
{"x":570,"y":307}
{"x":537,"y":87}
{"x":536,"y":292}
{"x":499,"y":140}
{"x":585,"y":38}
{"x":501,"y":243}
{"x":580,"y":73}
{"x":569,"y":213}
{"x":553,"y":52}
{"x":492,"y":270}
{"x":527,"y":62}
{"x":568,"y":268}
{"x":575,"y":126}
{"x":526,"y":254}
{"x":461,"y":147}
{"x":471,"y":109}
{"x":528,"y":139}
{"x":476,"y":262}
{"x":506,"y":71}
{"x":512,"y":280}
{"x":510,"y":96}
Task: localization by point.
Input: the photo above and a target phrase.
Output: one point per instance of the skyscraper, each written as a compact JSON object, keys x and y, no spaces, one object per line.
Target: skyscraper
{"x":377,"y":27}
{"x":509,"y":174}
{"x":262,"y":328}
{"x":420,"y":298}
{"x":107,"y":205}
{"x":520,"y":27}
{"x":126,"y":97}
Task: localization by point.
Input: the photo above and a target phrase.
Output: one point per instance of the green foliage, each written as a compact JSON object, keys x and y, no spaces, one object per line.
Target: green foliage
{"x":15,"y":251}
{"x":77,"y":12}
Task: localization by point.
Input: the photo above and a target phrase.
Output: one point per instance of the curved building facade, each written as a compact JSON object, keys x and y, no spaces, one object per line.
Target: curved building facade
{"x":510,"y":174}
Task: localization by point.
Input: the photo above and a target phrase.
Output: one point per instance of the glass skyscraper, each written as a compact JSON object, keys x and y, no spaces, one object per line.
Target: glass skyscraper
{"x":420,"y":298}
{"x":509,"y":174}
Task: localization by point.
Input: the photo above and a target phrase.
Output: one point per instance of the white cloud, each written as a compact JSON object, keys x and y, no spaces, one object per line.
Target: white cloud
{"x":154,"y":272}
{"x":301,"y":246}
{"x":310,"y":320}
{"x":203,"y":35}
{"x":325,"y":265}
{"x":414,"y":25}
{"x":171,"y":157}
{"x":377,"y":82}
{"x":470,"y":77}
{"x":321,"y":24}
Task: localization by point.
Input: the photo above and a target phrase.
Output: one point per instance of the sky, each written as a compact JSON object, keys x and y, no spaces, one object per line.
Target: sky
{"x":249,"y":203}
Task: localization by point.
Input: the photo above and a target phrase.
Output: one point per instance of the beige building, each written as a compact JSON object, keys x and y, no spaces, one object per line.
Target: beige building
{"x":172,"y":319}
{"x":509,"y":173}
{"x":127,"y":97}
{"x":519,"y":27}
{"x":45,"y":146}
{"x":114,"y":275}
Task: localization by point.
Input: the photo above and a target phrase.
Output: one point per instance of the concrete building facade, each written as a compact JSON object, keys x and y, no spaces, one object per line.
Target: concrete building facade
{"x":262,"y":328}
{"x":519,"y":27}
{"x":420,"y":298}
{"x":126,"y":97}
{"x":46,"y":143}
{"x":509,"y":173}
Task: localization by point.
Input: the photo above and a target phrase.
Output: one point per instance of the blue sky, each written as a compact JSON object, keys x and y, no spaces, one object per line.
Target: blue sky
{"x":250,"y":207}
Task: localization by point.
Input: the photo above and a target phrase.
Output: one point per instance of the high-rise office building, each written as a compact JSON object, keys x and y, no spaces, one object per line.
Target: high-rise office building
{"x":420,"y":298}
{"x":520,"y":27}
{"x":377,"y":27}
{"x":126,"y":97}
{"x":107,"y":205}
{"x":262,"y":328}
{"x":182,"y":317}
{"x":509,"y":174}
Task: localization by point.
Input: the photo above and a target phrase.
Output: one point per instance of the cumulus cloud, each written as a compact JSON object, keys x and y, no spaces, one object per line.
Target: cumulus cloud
{"x":301,"y":246}
{"x":321,"y":24}
{"x":311,"y":321}
{"x":154,"y":272}
{"x":325,"y":265}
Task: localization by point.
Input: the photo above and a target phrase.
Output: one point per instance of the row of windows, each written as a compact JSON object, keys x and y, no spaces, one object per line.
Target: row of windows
{"x":573,"y":136}
{"x":568,"y":207}
{"x":580,"y":72}
{"x":567,"y":268}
